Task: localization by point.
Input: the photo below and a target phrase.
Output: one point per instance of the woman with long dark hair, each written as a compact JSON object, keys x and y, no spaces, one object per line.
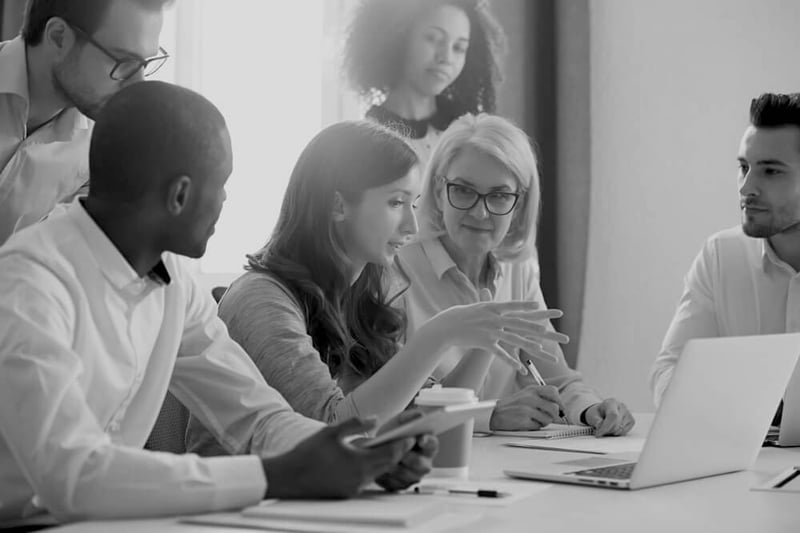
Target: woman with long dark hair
{"x":314,"y":309}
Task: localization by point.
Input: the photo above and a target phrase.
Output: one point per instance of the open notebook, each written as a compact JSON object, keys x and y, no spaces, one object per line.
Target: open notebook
{"x":551,"y":431}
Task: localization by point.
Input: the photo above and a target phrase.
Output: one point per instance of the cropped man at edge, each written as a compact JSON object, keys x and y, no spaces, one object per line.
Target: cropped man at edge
{"x":99,"y":317}
{"x":746,"y":279}
{"x":71,"y":56}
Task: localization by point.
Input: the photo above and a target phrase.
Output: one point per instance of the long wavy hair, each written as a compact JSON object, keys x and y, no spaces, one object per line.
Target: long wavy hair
{"x":352,"y":325}
{"x":376,"y":43}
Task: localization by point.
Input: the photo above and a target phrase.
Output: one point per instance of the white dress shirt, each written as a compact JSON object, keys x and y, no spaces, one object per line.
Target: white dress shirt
{"x":87,"y":352}
{"x":436,"y":284}
{"x":736,"y":286}
{"x":39,"y":169}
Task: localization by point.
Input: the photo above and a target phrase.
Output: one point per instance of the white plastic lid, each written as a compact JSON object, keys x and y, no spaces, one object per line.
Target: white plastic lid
{"x":438,"y":395}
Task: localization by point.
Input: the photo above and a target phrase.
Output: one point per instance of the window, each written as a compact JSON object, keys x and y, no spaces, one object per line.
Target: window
{"x":273,"y":70}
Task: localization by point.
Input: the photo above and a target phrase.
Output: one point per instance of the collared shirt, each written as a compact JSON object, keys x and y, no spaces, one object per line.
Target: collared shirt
{"x":436,"y":283}
{"x":43,"y":168}
{"x":88,"y":350}
{"x":736,"y":286}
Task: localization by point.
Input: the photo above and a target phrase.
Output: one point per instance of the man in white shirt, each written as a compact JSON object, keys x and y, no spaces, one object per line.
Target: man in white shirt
{"x":71,"y":57}
{"x":99,"y":317}
{"x":745,"y":280}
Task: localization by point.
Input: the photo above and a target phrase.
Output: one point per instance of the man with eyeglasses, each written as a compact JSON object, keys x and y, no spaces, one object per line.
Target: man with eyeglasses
{"x":71,"y":56}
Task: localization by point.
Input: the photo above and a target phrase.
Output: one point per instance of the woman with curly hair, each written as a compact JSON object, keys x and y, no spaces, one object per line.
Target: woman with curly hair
{"x":423,"y":63}
{"x":314,"y":309}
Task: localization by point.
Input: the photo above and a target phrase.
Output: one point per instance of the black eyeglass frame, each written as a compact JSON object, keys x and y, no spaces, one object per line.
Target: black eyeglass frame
{"x":450,"y":184}
{"x":141,"y":63}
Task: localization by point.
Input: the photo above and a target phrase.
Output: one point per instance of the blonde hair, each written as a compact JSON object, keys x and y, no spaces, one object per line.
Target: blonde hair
{"x":499,"y":138}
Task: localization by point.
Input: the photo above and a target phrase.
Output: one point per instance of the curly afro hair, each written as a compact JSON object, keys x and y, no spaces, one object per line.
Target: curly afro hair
{"x":376,"y":42}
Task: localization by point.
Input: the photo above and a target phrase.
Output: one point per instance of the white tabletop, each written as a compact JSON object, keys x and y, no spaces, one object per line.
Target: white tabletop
{"x":717,"y":504}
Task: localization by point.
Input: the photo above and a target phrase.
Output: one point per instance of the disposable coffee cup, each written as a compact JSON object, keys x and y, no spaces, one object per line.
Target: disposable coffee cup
{"x":452,"y":459}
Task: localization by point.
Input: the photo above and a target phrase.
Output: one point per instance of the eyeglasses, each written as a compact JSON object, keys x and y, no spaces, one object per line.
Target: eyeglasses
{"x":127,"y":67}
{"x":464,"y":198}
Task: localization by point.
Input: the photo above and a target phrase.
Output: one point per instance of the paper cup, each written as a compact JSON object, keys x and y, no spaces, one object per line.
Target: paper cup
{"x":452,"y":459}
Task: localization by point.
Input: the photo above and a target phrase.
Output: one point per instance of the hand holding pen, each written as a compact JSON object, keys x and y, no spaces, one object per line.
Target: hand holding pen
{"x":537,"y":377}
{"x":528,"y":408}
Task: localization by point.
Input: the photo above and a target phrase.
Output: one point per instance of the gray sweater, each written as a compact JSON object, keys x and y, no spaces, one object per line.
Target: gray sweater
{"x":265,"y":318}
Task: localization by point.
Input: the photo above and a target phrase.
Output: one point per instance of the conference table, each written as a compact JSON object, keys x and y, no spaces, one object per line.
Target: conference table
{"x":721,"y":503}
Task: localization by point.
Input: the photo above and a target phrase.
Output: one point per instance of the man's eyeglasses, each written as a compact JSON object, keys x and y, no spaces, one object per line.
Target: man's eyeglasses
{"x":464,"y":198}
{"x":127,"y":67}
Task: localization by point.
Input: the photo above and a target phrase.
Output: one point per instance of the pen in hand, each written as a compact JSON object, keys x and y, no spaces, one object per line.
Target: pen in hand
{"x":540,"y":381}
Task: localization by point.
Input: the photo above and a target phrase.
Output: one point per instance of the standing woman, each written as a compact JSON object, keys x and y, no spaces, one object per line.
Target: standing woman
{"x":423,"y":63}
{"x":478,"y":215}
{"x":314,"y":309}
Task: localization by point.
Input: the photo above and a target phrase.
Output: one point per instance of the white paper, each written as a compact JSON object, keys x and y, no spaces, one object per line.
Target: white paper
{"x":446,"y":521}
{"x":585,"y":444}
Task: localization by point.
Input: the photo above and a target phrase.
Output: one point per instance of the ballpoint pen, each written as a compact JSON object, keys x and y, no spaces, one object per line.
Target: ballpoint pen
{"x":537,"y":377}
{"x":480,"y":493}
{"x":787,"y":479}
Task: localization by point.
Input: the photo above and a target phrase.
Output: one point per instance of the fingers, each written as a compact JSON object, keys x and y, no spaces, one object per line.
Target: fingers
{"x":427,"y":445}
{"x":352,"y":426}
{"x":485,"y":295}
{"x":518,"y":341}
{"x":413,"y":466}
{"x":627,"y":422}
{"x":531,"y":329}
{"x":514,"y":306}
{"x":531,"y":314}
{"x":500,"y":349}
{"x":552,"y":397}
{"x":611,"y":418}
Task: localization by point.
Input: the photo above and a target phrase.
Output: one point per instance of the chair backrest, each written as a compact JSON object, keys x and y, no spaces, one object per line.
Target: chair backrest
{"x":217,"y":292}
{"x":169,"y":433}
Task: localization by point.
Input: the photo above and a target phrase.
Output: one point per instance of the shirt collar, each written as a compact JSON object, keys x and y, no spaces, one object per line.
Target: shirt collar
{"x":14,"y":80}
{"x":442,"y":262}
{"x":769,"y":257}
{"x":111,"y":262}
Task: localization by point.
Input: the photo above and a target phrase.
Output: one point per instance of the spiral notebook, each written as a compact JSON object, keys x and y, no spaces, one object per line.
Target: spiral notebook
{"x":551,"y":431}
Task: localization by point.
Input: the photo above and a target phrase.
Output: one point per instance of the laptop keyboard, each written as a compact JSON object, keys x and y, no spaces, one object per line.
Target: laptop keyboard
{"x":622,"y":471}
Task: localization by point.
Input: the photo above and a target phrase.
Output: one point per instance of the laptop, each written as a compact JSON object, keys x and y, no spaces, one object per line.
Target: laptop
{"x":787,"y":433}
{"x":712,"y":419}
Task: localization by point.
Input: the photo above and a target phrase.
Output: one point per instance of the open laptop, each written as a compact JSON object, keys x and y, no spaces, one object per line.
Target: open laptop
{"x":712,"y":419}
{"x":788,"y":432}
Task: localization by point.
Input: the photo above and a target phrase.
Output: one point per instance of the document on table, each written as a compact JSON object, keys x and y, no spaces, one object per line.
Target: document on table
{"x":456,"y":492}
{"x":369,"y":512}
{"x":585,"y":444}
{"x":444,"y":521}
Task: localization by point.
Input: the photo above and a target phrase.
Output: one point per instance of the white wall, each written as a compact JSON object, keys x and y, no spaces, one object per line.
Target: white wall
{"x":671,"y":83}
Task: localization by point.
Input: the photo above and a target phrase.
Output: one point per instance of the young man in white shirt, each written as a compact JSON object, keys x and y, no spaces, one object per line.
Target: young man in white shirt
{"x":745,"y":280}
{"x":99,"y":317}
{"x":71,"y":56}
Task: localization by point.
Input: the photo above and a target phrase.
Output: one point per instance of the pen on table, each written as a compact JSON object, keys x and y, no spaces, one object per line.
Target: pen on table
{"x":537,"y":377}
{"x":788,"y":478}
{"x":480,"y":493}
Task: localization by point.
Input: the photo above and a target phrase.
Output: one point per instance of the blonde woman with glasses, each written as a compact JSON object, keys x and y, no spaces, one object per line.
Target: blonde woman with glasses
{"x":477,"y":241}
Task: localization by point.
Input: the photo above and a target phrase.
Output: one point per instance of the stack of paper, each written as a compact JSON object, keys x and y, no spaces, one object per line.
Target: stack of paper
{"x":369,"y":512}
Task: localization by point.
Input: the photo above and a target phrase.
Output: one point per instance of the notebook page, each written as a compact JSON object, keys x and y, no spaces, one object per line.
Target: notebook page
{"x":551,"y":431}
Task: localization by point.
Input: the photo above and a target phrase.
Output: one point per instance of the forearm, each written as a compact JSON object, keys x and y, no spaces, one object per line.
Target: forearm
{"x":393,"y":387}
{"x":471,"y":370}
{"x":131,"y":483}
